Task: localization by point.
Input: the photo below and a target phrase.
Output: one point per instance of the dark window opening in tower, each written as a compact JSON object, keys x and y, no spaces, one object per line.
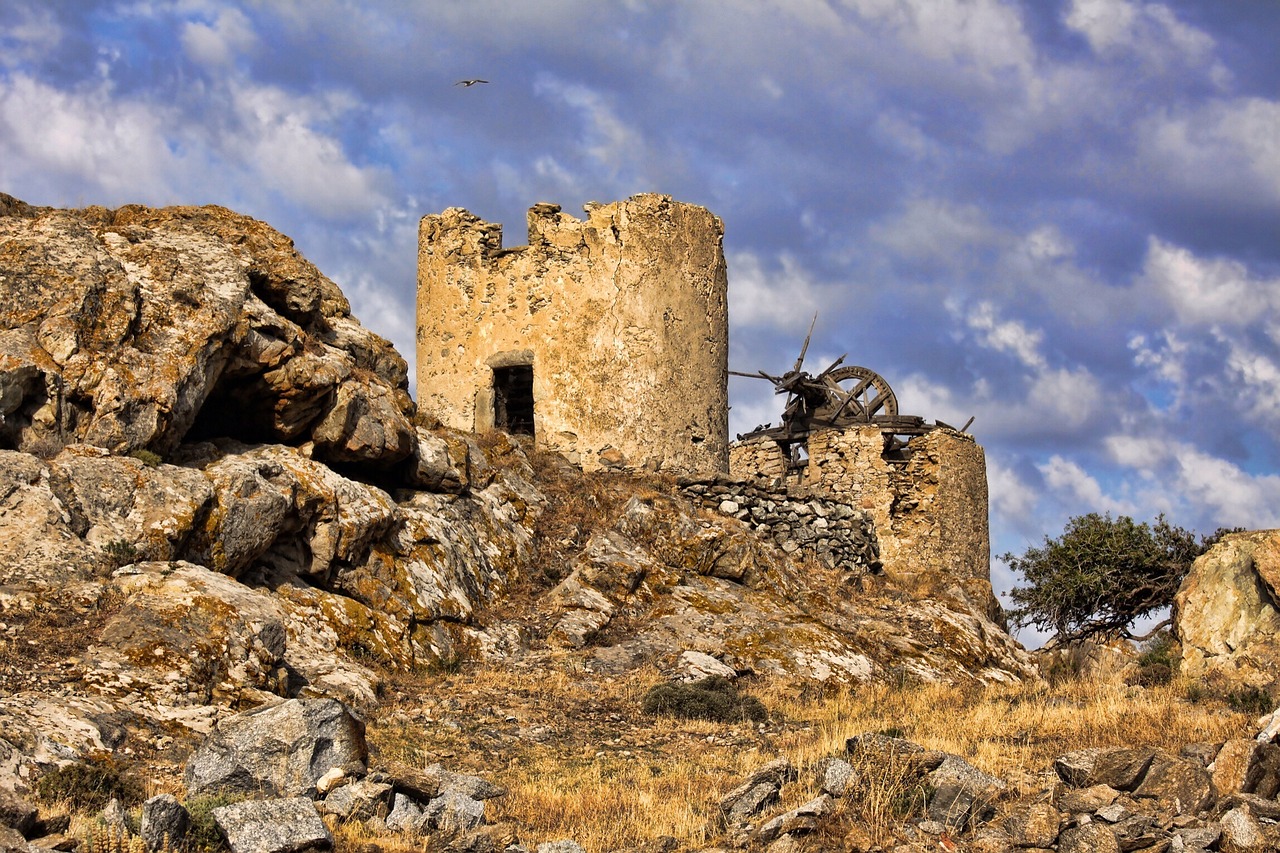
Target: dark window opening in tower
{"x":513,"y":399}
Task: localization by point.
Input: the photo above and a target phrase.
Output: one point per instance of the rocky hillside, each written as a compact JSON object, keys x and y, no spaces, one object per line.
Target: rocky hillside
{"x":215,"y":490}
{"x":229,"y":542}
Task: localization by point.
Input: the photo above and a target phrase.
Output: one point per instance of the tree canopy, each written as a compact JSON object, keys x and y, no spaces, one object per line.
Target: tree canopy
{"x":1101,"y":574}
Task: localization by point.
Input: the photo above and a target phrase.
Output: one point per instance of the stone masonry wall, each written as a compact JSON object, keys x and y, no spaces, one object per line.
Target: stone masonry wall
{"x":796,"y":520}
{"x":622,"y":316}
{"x":930,"y":510}
{"x":929,"y":507}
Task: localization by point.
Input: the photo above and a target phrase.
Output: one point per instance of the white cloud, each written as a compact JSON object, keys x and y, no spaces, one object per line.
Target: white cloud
{"x":1257,"y":376}
{"x":1063,"y":399}
{"x":1009,"y":336}
{"x":1074,"y":482}
{"x":785,"y":300}
{"x":1215,"y":291}
{"x":1228,"y":149}
{"x":1165,"y":354}
{"x":1105,"y":23}
{"x":985,"y":35}
{"x":1199,"y":483}
{"x":87,"y":139}
{"x":936,"y":229}
{"x":33,"y":34}
{"x":1011,"y":497}
{"x":280,"y":144}
{"x":218,"y":44}
{"x":607,"y":140}
{"x":1150,"y":31}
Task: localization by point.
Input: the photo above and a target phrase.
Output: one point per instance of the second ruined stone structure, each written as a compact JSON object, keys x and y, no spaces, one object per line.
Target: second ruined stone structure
{"x":605,"y":338}
{"x":928,"y":501}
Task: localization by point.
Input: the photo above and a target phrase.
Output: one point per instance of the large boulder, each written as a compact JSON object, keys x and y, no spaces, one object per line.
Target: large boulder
{"x":133,"y":328}
{"x":279,"y":750}
{"x":1226,"y":611}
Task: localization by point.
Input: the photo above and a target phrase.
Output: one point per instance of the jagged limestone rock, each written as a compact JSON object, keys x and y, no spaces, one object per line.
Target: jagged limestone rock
{"x":1227,"y":617}
{"x":146,"y":324}
{"x":279,"y":750}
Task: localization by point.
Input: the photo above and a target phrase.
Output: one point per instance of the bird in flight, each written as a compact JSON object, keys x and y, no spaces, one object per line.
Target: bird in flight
{"x":469,"y":83}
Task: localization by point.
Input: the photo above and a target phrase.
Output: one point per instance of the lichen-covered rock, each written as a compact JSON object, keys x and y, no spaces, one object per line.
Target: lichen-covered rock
{"x":289,"y":825}
{"x":360,"y":800}
{"x":279,"y":750}
{"x":133,"y":328}
{"x":961,"y":793}
{"x":164,"y":822}
{"x":1226,"y":611}
{"x":1175,"y":780}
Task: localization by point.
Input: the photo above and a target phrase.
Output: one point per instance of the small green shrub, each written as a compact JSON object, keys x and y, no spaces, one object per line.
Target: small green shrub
{"x":120,"y":552}
{"x":202,"y":834}
{"x":89,"y":786}
{"x":1250,"y":700}
{"x":714,"y":698}
{"x":1158,"y":662}
{"x":146,"y":457}
{"x":1196,"y":692}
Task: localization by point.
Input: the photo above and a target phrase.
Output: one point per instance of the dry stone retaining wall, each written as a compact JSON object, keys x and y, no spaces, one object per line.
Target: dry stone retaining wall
{"x":795,"y":520}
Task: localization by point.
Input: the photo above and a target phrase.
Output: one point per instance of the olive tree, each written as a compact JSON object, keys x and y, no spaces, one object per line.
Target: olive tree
{"x":1101,"y":574}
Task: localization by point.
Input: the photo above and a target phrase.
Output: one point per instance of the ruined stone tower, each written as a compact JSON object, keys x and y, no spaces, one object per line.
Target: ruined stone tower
{"x":606,"y":339}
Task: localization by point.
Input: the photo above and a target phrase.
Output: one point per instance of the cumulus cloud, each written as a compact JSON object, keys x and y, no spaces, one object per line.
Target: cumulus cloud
{"x":1150,"y":30}
{"x":936,"y":230}
{"x":1077,"y":485}
{"x":984,"y":35}
{"x":1011,"y":336}
{"x":279,"y":141}
{"x":218,"y":43}
{"x":28,"y":33}
{"x":1226,"y":150}
{"x":1011,"y":497}
{"x":783,"y":296}
{"x":87,"y":141}
{"x":1185,"y":479}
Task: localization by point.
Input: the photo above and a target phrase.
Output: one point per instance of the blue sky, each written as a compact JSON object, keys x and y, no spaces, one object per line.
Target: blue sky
{"x":1060,"y":217}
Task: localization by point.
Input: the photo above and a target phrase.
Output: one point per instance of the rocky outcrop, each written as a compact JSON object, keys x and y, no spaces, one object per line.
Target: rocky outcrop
{"x":289,"y":825}
{"x":136,"y":329}
{"x":279,"y":750}
{"x":1227,"y":612}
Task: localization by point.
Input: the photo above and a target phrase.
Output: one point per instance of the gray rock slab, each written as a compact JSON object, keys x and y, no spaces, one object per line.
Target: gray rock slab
{"x":279,"y":750}
{"x":358,"y":800}
{"x":406,"y":815}
{"x":164,"y":822}
{"x":836,"y":774}
{"x":454,"y":811}
{"x":962,"y":793}
{"x":273,"y":826}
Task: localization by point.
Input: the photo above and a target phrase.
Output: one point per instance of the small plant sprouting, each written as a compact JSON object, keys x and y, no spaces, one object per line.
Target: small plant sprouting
{"x":146,"y":457}
{"x":120,"y":552}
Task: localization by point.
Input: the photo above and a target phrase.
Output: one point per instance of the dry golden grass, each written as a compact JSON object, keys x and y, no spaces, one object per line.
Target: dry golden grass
{"x":580,"y":761}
